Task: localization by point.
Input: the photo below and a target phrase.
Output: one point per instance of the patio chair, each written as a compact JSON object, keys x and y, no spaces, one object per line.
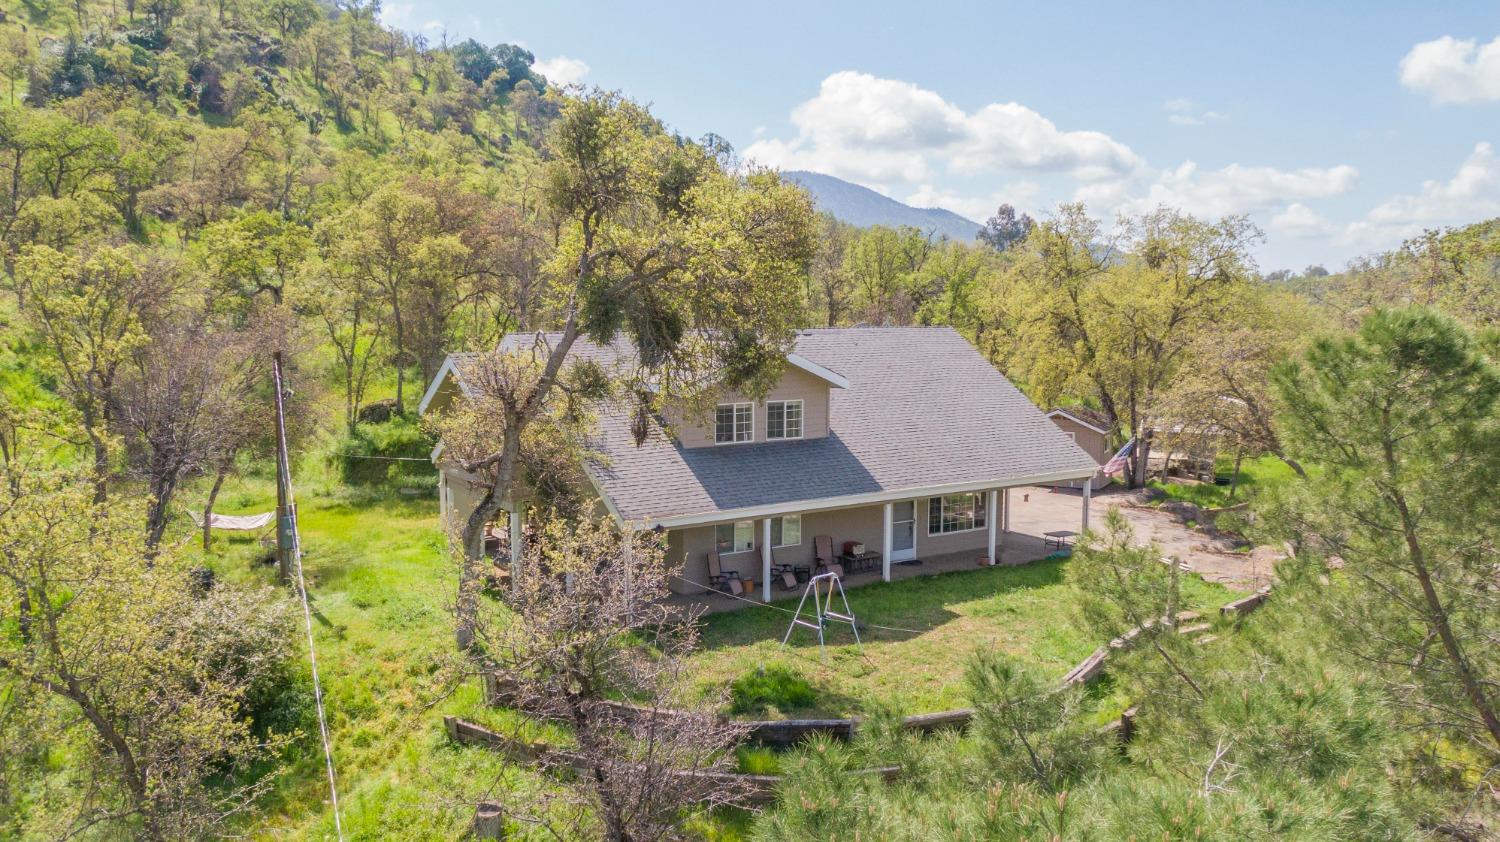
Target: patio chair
{"x":786,"y":574}
{"x":823,"y":554}
{"x":719,"y":580}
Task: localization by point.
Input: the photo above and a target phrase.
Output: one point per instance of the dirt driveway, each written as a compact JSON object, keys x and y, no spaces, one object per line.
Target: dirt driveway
{"x":1036,"y":510}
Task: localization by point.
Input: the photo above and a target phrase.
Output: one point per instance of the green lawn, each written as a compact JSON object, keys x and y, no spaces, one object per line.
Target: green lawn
{"x":380,"y":585}
{"x":1026,"y":611}
{"x":1255,"y":474}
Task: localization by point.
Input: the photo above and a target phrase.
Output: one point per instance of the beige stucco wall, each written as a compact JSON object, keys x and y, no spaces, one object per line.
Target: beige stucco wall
{"x":689,"y":548}
{"x":1093,"y":443}
{"x":795,"y":384}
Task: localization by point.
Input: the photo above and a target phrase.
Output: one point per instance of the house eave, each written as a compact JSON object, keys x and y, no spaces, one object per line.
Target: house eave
{"x":448,"y":369}
{"x":828,"y":503}
{"x":1074,"y":418}
{"x":833,"y":378}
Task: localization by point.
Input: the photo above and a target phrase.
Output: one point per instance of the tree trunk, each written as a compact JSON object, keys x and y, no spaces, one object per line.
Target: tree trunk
{"x":23,"y":614}
{"x":208,"y":508}
{"x":156,"y":514}
{"x":1142,"y":457}
{"x":101,"y":462}
{"x":1234,"y":478}
{"x":1291,"y":463}
{"x":135,"y":779}
{"x":466,"y":608}
{"x":1473,"y":686}
{"x":467,"y":605}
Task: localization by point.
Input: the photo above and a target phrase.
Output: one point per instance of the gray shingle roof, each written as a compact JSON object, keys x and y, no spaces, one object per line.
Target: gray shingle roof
{"x":923,"y":411}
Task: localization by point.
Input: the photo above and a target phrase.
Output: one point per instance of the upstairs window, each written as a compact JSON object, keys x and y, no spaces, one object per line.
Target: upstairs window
{"x":784,"y":420}
{"x":955,"y":513}
{"x":734,"y":422}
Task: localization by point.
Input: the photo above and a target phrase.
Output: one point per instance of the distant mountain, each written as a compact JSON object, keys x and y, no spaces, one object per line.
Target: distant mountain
{"x":864,"y":207}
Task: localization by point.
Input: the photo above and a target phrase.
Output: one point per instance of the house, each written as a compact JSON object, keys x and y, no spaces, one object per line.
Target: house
{"x":903,"y":439}
{"x":1087,"y":430}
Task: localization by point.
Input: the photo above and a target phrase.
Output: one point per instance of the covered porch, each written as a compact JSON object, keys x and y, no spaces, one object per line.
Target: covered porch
{"x":1019,"y":525}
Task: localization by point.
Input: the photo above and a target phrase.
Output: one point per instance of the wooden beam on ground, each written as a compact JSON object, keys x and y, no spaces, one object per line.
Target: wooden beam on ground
{"x":1241,"y":607}
{"x":756,"y":790}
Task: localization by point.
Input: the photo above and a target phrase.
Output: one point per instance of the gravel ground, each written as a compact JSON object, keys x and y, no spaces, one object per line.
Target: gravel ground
{"x":1036,"y":510}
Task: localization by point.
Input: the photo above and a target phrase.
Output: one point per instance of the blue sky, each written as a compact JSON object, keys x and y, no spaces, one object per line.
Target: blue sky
{"x":1340,"y":127}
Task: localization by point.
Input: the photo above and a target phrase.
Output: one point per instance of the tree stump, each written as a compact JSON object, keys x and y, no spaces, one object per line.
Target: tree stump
{"x":489,"y":821}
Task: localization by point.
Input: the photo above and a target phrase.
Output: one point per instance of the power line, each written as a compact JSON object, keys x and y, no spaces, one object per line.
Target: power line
{"x":284,"y":478}
{"x":384,"y":458}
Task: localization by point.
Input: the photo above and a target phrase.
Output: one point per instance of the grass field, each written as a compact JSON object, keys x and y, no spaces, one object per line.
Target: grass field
{"x":381,"y":584}
{"x":1024,"y":611}
{"x":1255,"y":475}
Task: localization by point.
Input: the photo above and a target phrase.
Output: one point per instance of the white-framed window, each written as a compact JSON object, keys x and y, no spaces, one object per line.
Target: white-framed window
{"x":737,"y":537}
{"x":956,"y":513}
{"x":784,"y":419}
{"x":734,"y":422}
{"x":786,"y":531}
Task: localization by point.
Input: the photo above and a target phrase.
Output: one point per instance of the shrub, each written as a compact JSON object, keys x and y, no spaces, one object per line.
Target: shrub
{"x":754,"y":760}
{"x":777,"y":686}
{"x":395,"y":451}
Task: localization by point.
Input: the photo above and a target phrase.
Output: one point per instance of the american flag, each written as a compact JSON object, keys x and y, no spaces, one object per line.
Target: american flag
{"x":1116,"y":463}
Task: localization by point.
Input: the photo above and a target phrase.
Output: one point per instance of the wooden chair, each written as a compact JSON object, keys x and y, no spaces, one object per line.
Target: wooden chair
{"x":823,"y":554}
{"x":719,"y":580}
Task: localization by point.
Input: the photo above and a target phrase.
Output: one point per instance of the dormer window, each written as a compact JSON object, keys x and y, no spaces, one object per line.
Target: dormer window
{"x":784,"y":420}
{"x":734,"y":422}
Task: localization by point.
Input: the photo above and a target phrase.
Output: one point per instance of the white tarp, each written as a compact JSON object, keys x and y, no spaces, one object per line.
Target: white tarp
{"x":241,"y":523}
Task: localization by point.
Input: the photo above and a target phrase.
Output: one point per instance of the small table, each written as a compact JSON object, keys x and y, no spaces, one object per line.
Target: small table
{"x":800,"y":574}
{"x":1060,"y":538}
{"x":859,"y":562}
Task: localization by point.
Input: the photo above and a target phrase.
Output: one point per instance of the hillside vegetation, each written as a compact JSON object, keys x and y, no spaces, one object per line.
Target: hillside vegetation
{"x":194,"y":190}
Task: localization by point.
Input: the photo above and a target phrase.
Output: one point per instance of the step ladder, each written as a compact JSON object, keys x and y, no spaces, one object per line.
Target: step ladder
{"x":823,"y":610}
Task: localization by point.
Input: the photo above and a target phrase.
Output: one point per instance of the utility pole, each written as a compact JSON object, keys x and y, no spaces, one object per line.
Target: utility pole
{"x":286,"y":507}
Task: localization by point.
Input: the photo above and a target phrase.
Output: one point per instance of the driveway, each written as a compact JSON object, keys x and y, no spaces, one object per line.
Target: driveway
{"x":1036,"y":510}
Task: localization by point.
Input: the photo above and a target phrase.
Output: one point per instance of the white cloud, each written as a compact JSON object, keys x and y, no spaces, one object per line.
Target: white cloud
{"x":1474,"y":191}
{"x":1021,"y":195}
{"x":1230,"y":190}
{"x":397,"y":15}
{"x":1183,"y":112}
{"x":562,"y":70}
{"x":878,"y":130}
{"x":1450,"y":70}
{"x":402,"y":16}
{"x":1299,"y":220}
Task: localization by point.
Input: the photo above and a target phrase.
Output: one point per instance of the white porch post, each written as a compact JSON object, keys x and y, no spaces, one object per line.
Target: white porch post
{"x":765,"y":559}
{"x":514,"y":515}
{"x":991,"y":503}
{"x":1088,"y":488}
{"x":885,"y":545}
{"x":1005,"y":511}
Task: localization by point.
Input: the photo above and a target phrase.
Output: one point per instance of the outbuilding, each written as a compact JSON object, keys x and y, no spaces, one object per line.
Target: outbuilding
{"x":1088,"y":432}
